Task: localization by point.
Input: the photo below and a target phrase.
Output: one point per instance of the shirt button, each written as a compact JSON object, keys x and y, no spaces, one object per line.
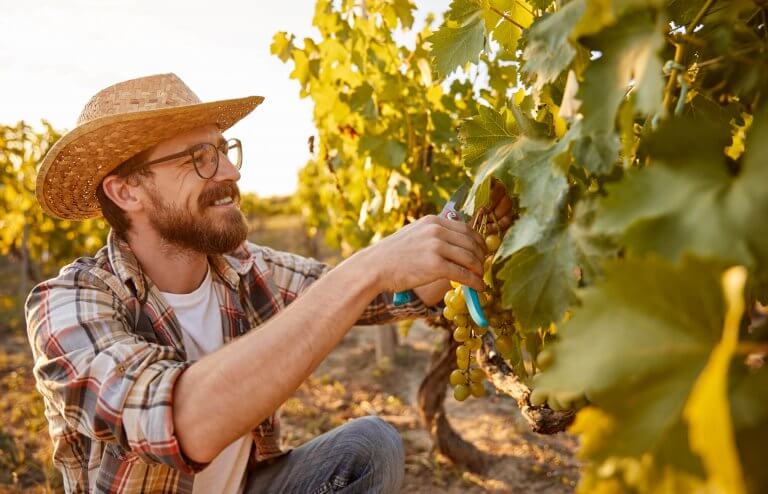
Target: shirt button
{"x":120,"y":369}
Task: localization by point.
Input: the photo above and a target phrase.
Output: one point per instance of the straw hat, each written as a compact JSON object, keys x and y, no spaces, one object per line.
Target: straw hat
{"x":116,"y":124}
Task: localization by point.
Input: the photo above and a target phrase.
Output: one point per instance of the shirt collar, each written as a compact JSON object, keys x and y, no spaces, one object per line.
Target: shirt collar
{"x":230,"y":267}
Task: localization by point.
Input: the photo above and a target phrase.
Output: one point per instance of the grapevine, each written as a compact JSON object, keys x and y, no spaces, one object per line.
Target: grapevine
{"x":632,"y":137}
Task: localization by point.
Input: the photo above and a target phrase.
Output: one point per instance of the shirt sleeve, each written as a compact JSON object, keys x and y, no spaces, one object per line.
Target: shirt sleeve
{"x":107,"y":383}
{"x":294,"y":274}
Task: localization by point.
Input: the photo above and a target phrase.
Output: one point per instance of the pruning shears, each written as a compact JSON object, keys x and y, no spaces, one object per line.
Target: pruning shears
{"x":452,"y":211}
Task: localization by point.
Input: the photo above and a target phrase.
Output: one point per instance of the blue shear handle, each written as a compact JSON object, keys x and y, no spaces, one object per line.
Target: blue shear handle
{"x":473,"y":304}
{"x":402,"y":298}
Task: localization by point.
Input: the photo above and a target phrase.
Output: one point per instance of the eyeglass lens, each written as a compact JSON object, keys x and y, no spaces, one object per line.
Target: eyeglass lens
{"x":206,"y":159}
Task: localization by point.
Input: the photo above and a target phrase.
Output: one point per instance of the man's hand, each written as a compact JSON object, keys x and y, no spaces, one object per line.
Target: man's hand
{"x":428,"y":250}
{"x":501,"y":214}
{"x":501,"y":210}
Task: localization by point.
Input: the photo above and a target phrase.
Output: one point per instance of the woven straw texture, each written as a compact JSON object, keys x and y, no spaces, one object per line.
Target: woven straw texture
{"x":116,"y":124}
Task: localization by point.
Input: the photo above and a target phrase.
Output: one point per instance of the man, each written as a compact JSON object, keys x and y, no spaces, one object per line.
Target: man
{"x":163,"y":359}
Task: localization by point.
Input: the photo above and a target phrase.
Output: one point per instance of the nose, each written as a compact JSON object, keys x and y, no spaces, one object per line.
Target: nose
{"x":226,"y":171}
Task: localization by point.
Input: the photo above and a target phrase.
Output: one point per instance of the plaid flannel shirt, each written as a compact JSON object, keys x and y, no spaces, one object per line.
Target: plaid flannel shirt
{"x":108,"y":350}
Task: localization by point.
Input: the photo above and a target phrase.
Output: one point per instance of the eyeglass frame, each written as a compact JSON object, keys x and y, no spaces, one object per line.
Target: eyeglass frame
{"x":227,"y":145}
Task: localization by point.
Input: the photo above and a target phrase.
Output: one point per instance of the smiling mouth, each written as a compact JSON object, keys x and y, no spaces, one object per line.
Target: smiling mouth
{"x":226,"y":201}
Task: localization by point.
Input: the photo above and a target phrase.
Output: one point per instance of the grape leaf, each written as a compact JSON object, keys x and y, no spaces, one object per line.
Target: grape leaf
{"x":548,"y":51}
{"x":480,"y":135}
{"x":483,"y":132}
{"x":506,"y":29}
{"x":748,"y":398}
{"x":689,"y":200}
{"x":537,"y":167}
{"x":546,"y":263}
{"x":629,"y":54}
{"x":460,"y":39}
{"x":527,"y":167}
{"x":707,"y":408}
{"x":384,"y":151}
{"x":282,"y":44}
{"x":539,"y":277}
{"x":636,"y":345}
{"x":404,"y":10}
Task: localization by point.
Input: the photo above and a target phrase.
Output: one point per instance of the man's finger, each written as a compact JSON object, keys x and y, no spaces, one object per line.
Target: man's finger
{"x":463,"y":228}
{"x":501,"y":226}
{"x":503,"y":208}
{"x":498,"y":191}
{"x":473,"y":243}
{"x":462,"y":257}
{"x":464,"y":276}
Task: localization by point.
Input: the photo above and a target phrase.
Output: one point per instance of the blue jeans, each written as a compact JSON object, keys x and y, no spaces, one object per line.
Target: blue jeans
{"x":365,"y":455}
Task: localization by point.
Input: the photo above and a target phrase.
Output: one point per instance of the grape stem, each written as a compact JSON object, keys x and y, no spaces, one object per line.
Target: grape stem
{"x":680,"y":53}
{"x":507,"y":18}
{"x":542,"y":419}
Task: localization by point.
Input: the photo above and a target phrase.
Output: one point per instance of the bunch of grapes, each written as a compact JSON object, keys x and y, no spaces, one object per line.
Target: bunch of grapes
{"x":523,"y":351}
{"x":468,"y":378}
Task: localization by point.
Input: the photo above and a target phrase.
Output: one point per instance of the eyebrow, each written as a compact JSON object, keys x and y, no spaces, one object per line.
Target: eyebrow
{"x":221,"y":140}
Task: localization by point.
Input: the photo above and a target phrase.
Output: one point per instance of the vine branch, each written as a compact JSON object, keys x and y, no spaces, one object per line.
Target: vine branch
{"x":542,"y":420}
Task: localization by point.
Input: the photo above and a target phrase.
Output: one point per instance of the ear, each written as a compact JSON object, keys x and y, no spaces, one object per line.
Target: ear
{"x":126,"y":196}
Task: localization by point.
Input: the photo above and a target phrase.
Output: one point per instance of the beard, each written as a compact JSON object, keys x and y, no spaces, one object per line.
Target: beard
{"x":216,"y":233}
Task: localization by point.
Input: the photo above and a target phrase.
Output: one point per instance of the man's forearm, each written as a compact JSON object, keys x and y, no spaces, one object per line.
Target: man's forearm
{"x":230,"y":391}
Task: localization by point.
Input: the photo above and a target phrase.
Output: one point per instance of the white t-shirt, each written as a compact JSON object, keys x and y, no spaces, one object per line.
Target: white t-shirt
{"x":198,"y":313}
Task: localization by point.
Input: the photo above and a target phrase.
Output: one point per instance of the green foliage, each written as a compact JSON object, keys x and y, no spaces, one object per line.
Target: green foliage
{"x":36,"y":242}
{"x":387,"y":150}
{"x":654,"y":158}
{"x":632,"y":135}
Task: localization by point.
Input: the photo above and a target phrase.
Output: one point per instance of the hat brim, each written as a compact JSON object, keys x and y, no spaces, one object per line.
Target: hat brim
{"x":76,"y":164}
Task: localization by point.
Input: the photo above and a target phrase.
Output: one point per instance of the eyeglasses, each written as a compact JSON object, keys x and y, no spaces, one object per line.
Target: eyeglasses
{"x":204,"y":157}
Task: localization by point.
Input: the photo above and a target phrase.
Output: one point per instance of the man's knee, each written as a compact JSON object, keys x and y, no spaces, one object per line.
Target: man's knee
{"x":378,"y":434}
{"x":384,"y":448}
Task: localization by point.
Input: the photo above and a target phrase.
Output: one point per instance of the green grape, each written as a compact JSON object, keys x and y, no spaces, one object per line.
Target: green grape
{"x":458,"y":297}
{"x":544,"y":359}
{"x":554,"y":403}
{"x":448,"y":298}
{"x":460,"y":308}
{"x":461,"y":320}
{"x":462,"y":364}
{"x":486,"y":299}
{"x":474,"y":343}
{"x":478,"y":331}
{"x":461,"y":392}
{"x":456,"y":304}
{"x":449,"y":313}
{"x":493,"y":242}
{"x":462,"y":352}
{"x":457,"y":377}
{"x":504,"y":344}
{"x":476,"y":375}
{"x":538,"y":397}
{"x":461,"y":334}
{"x":567,"y":399}
{"x":477,"y":389}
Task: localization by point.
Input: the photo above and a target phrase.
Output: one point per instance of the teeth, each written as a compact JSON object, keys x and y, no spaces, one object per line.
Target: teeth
{"x":221,"y":202}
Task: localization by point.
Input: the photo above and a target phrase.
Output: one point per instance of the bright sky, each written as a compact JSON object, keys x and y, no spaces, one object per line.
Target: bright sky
{"x":55,"y":55}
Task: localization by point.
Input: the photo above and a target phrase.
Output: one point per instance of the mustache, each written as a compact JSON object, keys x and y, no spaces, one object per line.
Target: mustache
{"x":219,"y":191}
